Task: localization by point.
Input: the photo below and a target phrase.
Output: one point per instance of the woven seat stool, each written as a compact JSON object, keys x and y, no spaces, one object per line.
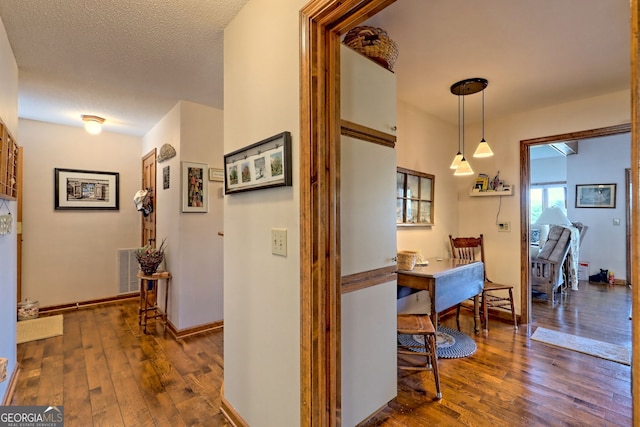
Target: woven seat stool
{"x":420,"y":324}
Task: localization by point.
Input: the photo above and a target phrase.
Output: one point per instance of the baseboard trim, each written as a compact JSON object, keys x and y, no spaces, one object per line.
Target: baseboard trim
{"x":8,"y":396}
{"x":88,"y":303}
{"x":230,"y":413}
{"x":188,"y":332}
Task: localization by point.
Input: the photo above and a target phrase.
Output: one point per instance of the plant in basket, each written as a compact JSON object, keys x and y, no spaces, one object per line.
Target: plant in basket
{"x":149,"y":258}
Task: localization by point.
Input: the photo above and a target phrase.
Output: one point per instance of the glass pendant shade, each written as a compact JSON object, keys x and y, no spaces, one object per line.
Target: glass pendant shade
{"x":456,"y":161}
{"x":483,"y":150}
{"x":464,"y":168}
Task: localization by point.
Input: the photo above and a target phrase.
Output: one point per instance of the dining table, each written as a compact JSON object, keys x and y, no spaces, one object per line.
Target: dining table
{"x":449,"y":281}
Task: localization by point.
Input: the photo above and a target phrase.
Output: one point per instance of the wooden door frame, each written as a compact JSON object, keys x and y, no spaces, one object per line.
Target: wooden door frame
{"x":321,"y":23}
{"x":525,"y":204}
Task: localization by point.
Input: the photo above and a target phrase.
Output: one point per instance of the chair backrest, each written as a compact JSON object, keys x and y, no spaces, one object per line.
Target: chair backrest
{"x":469,"y":248}
{"x":556,"y":247}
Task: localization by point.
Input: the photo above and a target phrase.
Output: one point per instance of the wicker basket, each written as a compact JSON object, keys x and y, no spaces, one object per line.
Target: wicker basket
{"x":374,"y":43}
{"x":407,"y":260}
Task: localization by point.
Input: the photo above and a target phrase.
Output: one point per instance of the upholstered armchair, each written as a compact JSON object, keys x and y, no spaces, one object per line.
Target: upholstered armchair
{"x":546,"y":268}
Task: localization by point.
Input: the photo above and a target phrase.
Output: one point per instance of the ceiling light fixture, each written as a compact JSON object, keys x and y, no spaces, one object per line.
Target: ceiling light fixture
{"x":464,"y":88}
{"x":92,"y":124}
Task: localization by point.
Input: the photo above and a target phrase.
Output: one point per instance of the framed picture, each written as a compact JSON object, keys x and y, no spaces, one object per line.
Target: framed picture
{"x":216,"y":174}
{"x":596,"y":196}
{"x":194,"y":187}
{"x":166,"y":177}
{"x":86,"y":190}
{"x":264,"y":164}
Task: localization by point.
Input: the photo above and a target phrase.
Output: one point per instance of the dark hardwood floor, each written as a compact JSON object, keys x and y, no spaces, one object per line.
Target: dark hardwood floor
{"x":107,"y":373}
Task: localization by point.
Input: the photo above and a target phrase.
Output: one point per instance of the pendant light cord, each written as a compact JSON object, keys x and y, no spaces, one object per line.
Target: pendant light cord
{"x":483,"y":114}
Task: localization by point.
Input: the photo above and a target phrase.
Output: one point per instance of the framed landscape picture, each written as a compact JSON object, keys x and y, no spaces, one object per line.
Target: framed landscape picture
{"x":596,"y":196}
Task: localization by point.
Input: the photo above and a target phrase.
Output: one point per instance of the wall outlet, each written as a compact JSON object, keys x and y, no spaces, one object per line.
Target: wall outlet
{"x":504,"y":226}
{"x":279,"y":241}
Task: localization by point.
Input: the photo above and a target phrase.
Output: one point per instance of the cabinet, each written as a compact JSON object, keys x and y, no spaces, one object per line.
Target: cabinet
{"x":8,"y":165}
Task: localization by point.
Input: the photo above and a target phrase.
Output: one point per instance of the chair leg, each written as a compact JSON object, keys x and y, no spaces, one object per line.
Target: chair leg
{"x":485,"y":311}
{"x":513,"y":311}
{"x":430,"y":344}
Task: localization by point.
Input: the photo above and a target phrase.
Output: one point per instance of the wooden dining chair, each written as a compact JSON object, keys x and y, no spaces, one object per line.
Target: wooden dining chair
{"x":472,"y":248}
{"x":420,"y":324}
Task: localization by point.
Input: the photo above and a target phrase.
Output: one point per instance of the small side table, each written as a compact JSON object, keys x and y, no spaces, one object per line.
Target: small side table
{"x":148,"y":308}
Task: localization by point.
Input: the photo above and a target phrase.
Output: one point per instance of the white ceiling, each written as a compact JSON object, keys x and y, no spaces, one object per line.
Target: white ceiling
{"x":130,"y":61}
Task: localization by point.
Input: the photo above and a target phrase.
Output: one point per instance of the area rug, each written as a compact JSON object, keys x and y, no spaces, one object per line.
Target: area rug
{"x":37,"y":329}
{"x":451,"y":344}
{"x":603,"y":350}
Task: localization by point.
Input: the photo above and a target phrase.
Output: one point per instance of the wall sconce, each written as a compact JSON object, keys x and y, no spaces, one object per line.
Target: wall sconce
{"x":92,"y":124}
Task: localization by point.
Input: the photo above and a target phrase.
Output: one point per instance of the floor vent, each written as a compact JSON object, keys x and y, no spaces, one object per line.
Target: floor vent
{"x":127,"y":271}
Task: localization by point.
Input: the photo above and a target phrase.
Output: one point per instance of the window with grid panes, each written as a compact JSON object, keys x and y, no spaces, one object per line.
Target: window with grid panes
{"x":414,"y":197}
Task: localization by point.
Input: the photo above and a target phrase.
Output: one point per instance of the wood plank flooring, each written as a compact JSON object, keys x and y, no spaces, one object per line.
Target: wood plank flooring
{"x":107,"y":373}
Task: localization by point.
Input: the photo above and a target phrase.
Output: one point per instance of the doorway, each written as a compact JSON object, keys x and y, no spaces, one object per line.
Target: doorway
{"x":525,"y":201}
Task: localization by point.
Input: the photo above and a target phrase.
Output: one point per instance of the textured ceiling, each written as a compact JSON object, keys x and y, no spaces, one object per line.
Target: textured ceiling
{"x":130,"y":61}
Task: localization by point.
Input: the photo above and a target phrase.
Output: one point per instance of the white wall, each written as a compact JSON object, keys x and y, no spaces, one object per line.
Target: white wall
{"x":70,"y":256}
{"x":478,"y":214}
{"x":601,"y":161}
{"x":551,"y":169}
{"x":8,"y":242}
{"x":194,"y":252}
{"x":427,"y":144}
{"x":262,"y":295}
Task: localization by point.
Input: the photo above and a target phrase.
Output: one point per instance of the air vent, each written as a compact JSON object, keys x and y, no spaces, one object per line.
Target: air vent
{"x":127,"y":271}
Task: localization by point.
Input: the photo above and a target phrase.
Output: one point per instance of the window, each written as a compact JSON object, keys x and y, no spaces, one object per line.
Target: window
{"x":414,"y":203}
{"x":546,"y":195}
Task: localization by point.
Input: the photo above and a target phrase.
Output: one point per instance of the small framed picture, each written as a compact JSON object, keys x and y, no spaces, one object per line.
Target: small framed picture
{"x":216,"y":174}
{"x":194,"y":187}
{"x":596,"y":196}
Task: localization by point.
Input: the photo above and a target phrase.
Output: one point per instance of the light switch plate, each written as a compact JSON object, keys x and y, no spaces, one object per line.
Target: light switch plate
{"x":279,"y":241}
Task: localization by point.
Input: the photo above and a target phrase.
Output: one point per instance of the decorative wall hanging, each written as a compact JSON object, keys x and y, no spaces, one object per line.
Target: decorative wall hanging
{"x":166,"y":152}
{"x":6,"y":220}
{"x":166,"y":178}
{"x":264,"y":164}
{"x":86,"y":190}
{"x":216,"y":174}
{"x":596,"y":196}
{"x":195,"y":197}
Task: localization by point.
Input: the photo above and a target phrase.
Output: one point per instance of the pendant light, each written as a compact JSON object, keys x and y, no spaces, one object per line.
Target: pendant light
{"x":483,"y":149}
{"x":463,"y":88}
{"x":458,"y":158}
{"x":464,"y":168}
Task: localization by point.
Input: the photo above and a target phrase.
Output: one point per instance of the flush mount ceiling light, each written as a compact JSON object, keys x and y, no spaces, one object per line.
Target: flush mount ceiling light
{"x":92,"y":124}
